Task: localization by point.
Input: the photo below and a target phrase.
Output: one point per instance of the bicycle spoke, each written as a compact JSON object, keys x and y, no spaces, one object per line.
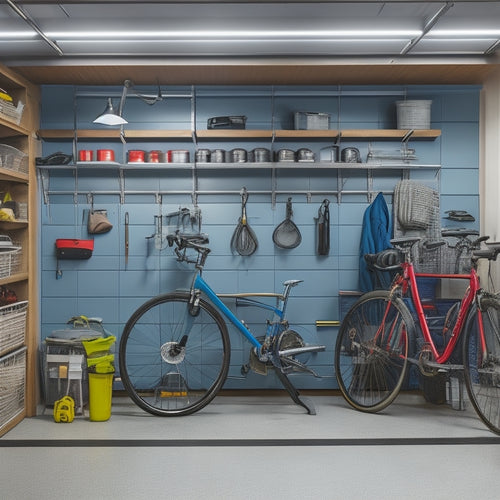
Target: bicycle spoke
{"x":172,"y":362}
{"x":371,"y":352}
{"x":482,"y":364}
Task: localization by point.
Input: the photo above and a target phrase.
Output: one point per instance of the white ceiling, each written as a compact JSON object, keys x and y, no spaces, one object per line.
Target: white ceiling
{"x":78,"y":33}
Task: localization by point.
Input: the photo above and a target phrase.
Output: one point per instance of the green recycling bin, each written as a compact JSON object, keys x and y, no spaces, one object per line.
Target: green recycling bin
{"x":100,"y":367}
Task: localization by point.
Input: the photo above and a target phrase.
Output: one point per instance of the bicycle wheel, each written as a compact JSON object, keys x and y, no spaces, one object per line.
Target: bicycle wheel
{"x":173,"y":362}
{"x":371,"y":351}
{"x":481,"y":355}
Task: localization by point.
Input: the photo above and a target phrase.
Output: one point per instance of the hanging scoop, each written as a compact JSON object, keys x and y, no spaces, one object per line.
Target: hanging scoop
{"x":244,"y":240}
{"x":287,"y":234}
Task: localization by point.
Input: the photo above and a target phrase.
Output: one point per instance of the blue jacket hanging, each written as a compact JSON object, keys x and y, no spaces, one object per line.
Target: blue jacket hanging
{"x":375,"y":237}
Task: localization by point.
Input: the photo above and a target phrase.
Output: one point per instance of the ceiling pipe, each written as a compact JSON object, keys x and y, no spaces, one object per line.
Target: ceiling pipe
{"x":21,"y":13}
{"x":492,"y":48}
{"x":428,"y":26}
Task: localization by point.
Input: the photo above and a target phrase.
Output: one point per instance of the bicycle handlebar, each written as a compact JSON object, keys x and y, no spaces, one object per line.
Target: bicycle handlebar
{"x":194,"y":241}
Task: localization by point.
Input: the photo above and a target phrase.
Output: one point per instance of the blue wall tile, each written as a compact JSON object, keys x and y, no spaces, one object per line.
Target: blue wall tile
{"x":108,"y":287}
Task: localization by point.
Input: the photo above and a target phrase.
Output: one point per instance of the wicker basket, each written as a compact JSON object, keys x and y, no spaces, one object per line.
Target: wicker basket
{"x":13,"y":159}
{"x":11,"y":112}
{"x":12,"y":385}
{"x":414,"y":115}
{"x":12,"y":326}
{"x":10,"y":262}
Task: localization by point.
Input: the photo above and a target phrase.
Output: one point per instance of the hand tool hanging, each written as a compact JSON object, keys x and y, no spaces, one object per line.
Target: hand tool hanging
{"x":244,"y":240}
{"x":323,"y":228}
{"x":126,"y":239}
{"x":287,"y":234}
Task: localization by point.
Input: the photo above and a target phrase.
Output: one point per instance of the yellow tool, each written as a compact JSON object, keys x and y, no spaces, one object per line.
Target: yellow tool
{"x":64,"y":409}
{"x":5,"y":96}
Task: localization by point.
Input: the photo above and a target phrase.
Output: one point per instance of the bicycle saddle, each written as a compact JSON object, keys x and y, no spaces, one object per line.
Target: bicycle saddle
{"x":459,"y":232}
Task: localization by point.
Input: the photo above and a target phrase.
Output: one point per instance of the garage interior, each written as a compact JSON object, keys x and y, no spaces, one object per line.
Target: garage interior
{"x":245,"y":446}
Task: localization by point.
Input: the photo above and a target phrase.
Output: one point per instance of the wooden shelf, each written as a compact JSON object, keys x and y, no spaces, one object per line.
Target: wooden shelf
{"x":14,"y":278}
{"x":389,"y":134}
{"x":306,"y":134}
{"x":7,"y":174}
{"x":23,"y":188}
{"x":236,"y":134}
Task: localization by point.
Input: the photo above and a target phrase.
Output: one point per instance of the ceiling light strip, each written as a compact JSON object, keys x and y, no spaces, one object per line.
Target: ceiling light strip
{"x":231,"y":34}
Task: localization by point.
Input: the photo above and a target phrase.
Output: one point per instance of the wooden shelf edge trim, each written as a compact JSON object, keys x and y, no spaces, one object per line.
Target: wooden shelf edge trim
{"x":389,"y":133}
{"x":237,"y":134}
{"x":8,"y":174}
{"x":14,"y":278}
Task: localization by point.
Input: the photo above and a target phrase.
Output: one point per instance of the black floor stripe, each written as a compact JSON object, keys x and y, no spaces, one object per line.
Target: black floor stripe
{"x":206,"y":443}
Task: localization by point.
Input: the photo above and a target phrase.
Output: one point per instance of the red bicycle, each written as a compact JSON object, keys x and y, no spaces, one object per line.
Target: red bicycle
{"x":387,"y":331}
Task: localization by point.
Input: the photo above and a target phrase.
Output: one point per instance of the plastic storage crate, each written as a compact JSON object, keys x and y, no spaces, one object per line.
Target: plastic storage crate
{"x":311,"y":121}
{"x":12,"y":326}
{"x":64,"y":372}
{"x":414,"y":115}
{"x":13,"y":159}
{"x":10,"y":262}
{"x":12,"y":385}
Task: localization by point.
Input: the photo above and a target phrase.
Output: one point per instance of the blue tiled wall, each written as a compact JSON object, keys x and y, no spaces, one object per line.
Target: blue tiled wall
{"x":104,"y":286}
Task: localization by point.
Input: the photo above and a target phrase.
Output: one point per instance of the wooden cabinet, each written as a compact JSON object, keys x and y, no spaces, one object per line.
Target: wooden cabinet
{"x":18,"y":148}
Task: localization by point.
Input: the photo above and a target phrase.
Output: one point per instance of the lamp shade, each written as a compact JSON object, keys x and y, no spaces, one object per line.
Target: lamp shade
{"x":110,"y":116}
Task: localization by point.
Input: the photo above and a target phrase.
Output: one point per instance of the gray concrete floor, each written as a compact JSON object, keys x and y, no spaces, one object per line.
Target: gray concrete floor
{"x":256,"y":447}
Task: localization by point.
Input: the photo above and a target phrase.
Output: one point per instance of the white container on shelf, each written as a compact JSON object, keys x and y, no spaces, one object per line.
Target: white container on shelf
{"x":414,"y":114}
{"x":306,"y":120}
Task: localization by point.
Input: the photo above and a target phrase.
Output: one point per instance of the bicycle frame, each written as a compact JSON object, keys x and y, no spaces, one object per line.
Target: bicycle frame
{"x":200,"y":284}
{"x":408,"y":279}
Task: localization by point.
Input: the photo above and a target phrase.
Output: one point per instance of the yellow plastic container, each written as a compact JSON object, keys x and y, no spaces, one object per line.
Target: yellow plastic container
{"x":100,"y":394}
{"x":101,"y":364}
{"x":98,"y":345}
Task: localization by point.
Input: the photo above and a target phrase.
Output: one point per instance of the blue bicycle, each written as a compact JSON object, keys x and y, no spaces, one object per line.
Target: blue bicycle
{"x":175,"y":349}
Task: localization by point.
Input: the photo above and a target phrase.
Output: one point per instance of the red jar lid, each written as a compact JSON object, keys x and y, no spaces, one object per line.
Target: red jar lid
{"x":105,"y":155}
{"x":136,"y":156}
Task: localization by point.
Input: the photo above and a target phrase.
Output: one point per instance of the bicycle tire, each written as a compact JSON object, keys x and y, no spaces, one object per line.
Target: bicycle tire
{"x":371,"y":352}
{"x":482,"y":366}
{"x":160,"y":375}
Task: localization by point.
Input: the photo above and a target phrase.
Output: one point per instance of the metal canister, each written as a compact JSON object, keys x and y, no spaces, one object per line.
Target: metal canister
{"x":85,"y":155}
{"x":261,"y":155}
{"x":238,"y":155}
{"x":202,"y":155}
{"x":285,"y":155}
{"x":178,"y":156}
{"x":305,"y":154}
{"x":154,"y":156}
{"x":218,"y":156}
{"x":136,"y":156}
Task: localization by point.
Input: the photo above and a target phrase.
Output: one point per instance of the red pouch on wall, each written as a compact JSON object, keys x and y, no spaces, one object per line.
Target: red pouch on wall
{"x":74,"y":248}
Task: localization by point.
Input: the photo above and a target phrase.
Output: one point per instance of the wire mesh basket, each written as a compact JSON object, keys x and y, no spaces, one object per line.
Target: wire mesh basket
{"x":12,"y":326}
{"x":10,"y":262}
{"x":12,"y":385}
{"x":414,"y":115}
{"x":13,"y":159}
{"x":445,"y":259}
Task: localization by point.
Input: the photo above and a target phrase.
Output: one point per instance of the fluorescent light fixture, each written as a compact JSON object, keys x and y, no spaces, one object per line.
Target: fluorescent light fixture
{"x":18,"y":34}
{"x":466,"y":33}
{"x":229,"y":34}
{"x":110,"y":116}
